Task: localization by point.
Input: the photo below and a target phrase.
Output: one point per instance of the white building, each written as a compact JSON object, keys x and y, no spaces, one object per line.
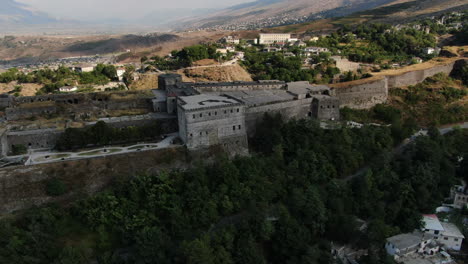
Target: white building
{"x":315,"y":50}
{"x":120,"y":73}
{"x":271,"y":49}
{"x":274,"y":38}
{"x":447,"y":234}
{"x":459,"y":194}
{"x":431,"y":51}
{"x":68,"y":89}
{"x":226,"y":50}
{"x":451,"y":237}
{"x":404,"y":244}
{"x":230,"y":40}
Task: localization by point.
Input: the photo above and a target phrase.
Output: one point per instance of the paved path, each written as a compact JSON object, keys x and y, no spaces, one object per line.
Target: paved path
{"x":398,"y":149}
{"x":52,"y":156}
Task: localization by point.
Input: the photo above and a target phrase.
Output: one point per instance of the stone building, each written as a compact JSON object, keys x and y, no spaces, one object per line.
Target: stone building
{"x":207,"y":120}
{"x":226,"y":113}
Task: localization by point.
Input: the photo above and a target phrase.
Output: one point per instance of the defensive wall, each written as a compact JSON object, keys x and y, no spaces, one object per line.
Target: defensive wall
{"x":47,"y":138}
{"x":362,"y":94}
{"x":80,"y":104}
{"x":365,"y":93}
{"x":288,"y":110}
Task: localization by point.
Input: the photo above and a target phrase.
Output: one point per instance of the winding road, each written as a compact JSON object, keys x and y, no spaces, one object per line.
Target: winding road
{"x":52,"y":156}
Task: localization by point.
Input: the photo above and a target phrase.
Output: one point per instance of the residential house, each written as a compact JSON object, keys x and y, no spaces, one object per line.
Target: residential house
{"x":447,"y":234}
{"x":289,"y":54}
{"x":300,"y":43}
{"x":230,"y":40}
{"x":84,"y":68}
{"x":314,"y":50}
{"x":459,"y":193}
{"x":404,"y":244}
{"x":271,"y":49}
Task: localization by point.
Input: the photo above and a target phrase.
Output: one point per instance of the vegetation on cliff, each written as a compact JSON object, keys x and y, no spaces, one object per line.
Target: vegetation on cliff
{"x":282,"y":205}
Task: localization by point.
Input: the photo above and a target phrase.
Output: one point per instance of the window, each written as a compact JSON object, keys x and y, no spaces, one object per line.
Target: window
{"x":193,"y":116}
{"x":191,"y":135}
{"x":237,"y":110}
{"x":216,"y":113}
{"x":201,"y":115}
{"x":206,"y":132}
{"x":232,"y":111}
{"x":225,"y":111}
{"x":209,"y":113}
{"x":239,"y":127}
{"x":436,"y":232}
{"x":445,"y":238}
{"x":436,"y":238}
{"x":234,"y":128}
{"x":201,"y":133}
{"x":456,"y":239}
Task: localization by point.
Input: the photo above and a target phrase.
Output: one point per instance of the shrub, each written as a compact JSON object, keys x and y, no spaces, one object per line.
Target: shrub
{"x":19,"y":149}
{"x":55,"y":187}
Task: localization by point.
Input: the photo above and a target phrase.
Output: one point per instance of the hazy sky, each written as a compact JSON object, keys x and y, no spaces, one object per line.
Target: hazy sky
{"x":126,"y":9}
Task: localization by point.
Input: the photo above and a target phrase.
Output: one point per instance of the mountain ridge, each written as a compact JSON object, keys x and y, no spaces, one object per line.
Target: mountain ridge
{"x":13,"y":13}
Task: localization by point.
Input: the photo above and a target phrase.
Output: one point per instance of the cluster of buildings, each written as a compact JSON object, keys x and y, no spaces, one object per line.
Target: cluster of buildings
{"x":227,"y":113}
{"x":429,"y":245}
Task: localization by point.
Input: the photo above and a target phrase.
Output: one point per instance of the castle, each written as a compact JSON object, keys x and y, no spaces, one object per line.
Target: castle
{"x":227,"y":113}
{"x":204,"y":114}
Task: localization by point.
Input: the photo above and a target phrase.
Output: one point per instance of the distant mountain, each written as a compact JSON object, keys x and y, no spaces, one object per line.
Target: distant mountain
{"x":268,"y":13}
{"x":14,"y":13}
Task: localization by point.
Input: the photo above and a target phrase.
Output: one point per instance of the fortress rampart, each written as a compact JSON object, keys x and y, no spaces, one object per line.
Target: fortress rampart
{"x":366,"y":93}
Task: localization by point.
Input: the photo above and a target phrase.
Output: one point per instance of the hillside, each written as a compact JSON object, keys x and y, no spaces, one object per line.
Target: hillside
{"x":397,"y":12}
{"x":12,"y":13}
{"x":267,"y":13}
{"x":215,"y":74}
{"x":20,"y":50}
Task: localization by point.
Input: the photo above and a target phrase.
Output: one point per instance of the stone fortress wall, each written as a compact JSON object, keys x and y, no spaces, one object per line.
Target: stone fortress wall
{"x":366,"y":93}
{"x":78,"y":104}
{"x":37,"y":139}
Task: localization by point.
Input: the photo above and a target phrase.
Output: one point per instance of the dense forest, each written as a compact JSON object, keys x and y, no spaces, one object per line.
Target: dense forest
{"x":285,"y":203}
